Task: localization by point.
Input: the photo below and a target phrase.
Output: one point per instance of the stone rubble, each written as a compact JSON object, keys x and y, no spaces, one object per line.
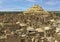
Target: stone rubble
{"x":33,"y":25}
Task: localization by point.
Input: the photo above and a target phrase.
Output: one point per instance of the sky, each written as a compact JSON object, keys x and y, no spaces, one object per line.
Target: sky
{"x":22,"y":5}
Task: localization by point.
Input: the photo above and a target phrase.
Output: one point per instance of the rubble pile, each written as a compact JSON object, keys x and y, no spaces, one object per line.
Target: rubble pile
{"x":33,"y":25}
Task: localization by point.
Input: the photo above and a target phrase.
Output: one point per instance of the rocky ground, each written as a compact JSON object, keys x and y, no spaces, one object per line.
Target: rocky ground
{"x":29,"y":27}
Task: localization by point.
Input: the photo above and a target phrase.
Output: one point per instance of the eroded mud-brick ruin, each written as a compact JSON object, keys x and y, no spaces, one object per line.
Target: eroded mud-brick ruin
{"x":33,"y":25}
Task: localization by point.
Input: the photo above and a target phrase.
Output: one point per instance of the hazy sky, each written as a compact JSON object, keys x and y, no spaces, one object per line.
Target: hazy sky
{"x":19,"y":5}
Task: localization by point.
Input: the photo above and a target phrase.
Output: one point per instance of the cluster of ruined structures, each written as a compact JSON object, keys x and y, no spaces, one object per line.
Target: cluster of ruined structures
{"x":33,"y":25}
